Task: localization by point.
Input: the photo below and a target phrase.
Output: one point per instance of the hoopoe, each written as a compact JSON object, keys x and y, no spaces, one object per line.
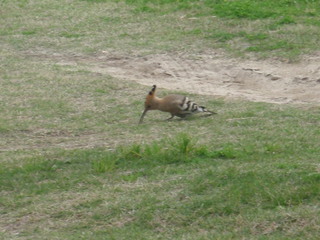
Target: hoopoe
{"x":176,"y":105}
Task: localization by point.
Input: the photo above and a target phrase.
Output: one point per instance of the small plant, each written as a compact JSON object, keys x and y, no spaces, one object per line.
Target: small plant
{"x":184,"y":144}
{"x":105,"y":164}
{"x":134,"y":152}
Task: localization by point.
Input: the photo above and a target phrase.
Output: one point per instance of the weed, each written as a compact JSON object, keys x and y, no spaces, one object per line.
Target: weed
{"x":183,"y":144}
{"x":106,"y":163}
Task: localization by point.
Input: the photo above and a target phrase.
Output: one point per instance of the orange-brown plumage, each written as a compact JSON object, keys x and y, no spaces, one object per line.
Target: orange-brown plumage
{"x":176,"y":105}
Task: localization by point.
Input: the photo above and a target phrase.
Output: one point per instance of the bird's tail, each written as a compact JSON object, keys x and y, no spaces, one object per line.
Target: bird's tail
{"x":203,"y":109}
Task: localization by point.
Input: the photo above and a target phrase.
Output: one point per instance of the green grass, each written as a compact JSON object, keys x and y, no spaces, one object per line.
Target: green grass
{"x":75,"y":164}
{"x":289,"y":28}
{"x":173,"y":188}
{"x":85,"y":169}
{"x":249,"y":9}
{"x":245,"y":18}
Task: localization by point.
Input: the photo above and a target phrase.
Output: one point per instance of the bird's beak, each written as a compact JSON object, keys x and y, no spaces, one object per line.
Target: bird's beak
{"x":142,"y":116}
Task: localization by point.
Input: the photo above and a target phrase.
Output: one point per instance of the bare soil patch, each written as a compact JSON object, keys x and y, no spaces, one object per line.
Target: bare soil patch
{"x":212,"y":73}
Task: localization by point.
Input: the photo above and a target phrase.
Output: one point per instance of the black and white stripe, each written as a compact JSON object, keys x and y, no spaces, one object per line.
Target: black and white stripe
{"x":189,"y":107}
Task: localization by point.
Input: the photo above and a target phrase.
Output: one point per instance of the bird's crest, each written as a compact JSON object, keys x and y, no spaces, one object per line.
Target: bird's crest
{"x":151,"y":95}
{"x":153,"y":90}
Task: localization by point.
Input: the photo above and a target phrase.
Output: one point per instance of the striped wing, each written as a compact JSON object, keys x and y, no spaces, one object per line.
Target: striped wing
{"x":189,"y":107}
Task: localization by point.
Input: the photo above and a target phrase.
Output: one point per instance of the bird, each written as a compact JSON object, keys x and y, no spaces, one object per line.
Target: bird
{"x":176,"y":105}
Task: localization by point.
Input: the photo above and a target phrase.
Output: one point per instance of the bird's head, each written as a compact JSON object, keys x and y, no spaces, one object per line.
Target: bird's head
{"x":149,"y":104}
{"x":150,"y":97}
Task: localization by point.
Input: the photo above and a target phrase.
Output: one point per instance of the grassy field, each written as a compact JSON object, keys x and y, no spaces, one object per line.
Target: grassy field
{"x":74,"y":163}
{"x":284,"y":28}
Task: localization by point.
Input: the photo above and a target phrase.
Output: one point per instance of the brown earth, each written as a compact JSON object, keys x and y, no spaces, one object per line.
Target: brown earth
{"x":212,"y":73}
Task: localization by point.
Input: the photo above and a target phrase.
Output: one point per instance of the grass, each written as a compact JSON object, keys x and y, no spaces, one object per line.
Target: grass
{"x":172,"y":188}
{"x":270,"y":19}
{"x":78,"y":170}
{"x":289,"y":28}
{"x":74,"y":163}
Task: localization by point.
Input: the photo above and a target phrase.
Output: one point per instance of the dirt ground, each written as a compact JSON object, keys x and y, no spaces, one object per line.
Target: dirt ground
{"x":212,"y":74}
